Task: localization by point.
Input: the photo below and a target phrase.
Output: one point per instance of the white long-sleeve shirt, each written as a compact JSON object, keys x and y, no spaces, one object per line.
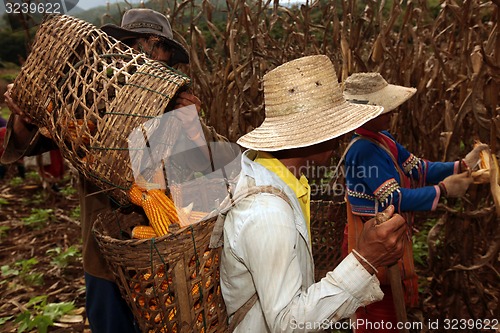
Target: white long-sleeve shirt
{"x":267,"y":251}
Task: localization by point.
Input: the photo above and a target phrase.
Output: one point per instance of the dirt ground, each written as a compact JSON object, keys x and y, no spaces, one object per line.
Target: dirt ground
{"x":29,"y":248}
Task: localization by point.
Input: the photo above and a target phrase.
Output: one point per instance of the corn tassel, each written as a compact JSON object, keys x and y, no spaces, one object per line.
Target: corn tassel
{"x":158,"y":220}
{"x":143,"y":232}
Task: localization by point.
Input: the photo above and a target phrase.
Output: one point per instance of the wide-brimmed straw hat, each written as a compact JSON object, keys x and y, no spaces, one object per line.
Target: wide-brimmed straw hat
{"x":304,"y":106}
{"x":143,"y":22}
{"x":371,"y":88}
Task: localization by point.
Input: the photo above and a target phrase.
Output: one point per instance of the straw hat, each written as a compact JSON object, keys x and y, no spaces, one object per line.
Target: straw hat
{"x":371,"y":88}
{"x":143,"y":22}
{"x":304,"y":106}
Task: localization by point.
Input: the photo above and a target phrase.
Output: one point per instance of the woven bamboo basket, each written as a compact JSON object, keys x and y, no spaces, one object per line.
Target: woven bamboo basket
{"x":328,"y":219}
{"x":87,"y":91}
{"x":171,"y":283}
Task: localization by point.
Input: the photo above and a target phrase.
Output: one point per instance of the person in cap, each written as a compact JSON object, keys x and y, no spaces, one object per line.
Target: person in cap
{"x":267,"y":278}
{"x":380,"y":172}
{"x":146,"y":31}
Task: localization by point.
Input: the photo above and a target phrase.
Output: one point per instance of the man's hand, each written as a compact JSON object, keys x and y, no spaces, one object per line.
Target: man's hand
{"x":381,"y":240}
{"x":457,"y":185}
{"x":13,"y":107}
{"x":185,"y":99}
{"x":190,"y":120}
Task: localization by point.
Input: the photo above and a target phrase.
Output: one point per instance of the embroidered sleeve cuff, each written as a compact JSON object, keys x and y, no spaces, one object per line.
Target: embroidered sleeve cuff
{"x":356,"y":280}
{"x":456,"y":167}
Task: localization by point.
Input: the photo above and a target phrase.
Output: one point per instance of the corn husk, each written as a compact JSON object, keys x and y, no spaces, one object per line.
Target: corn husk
{"x":494,"y":179}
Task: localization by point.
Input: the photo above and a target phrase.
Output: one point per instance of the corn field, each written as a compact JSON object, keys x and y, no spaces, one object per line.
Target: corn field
{"x":449,"y":50}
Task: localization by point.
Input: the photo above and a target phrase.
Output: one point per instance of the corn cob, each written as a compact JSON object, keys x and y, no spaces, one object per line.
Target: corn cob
{"x":484,"y":160}
{"x":163,"y":201}
{"x":196,"y":216}
{"x":50,"y":107}
{"x":45,"y":132}
{"x":482,"y":176}
{"x":158,"y":220}
{"x":135,"y":194}
{"x":143,"y":232}
{"x":76,"y":132}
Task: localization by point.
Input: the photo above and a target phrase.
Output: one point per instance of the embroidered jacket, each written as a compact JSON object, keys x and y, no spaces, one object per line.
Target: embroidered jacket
{"x":373,"y":182}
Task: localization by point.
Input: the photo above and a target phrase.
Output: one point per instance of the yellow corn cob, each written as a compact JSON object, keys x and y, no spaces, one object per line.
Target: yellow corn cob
{"x":196,"y":216}
{"x":143,"y":232}
{"x":135,"y":194}
{"x":484,"y":156}
{"x":50,"y":107}
{"x":76,"y":131}
{"x":158,"y":220}
{"x":45,"y":132}
{"x":174,"y":215}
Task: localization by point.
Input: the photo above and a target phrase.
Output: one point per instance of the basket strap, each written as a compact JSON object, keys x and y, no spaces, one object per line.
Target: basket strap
{"x":217,"y":239}
{"x":241,"y":313}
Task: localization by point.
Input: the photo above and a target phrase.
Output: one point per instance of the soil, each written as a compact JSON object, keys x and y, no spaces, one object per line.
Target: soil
{"x":21,"y":242}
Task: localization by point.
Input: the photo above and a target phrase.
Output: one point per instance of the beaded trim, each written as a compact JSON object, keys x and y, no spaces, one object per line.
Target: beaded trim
{"x":410,"y":163}
{"x":386,"y":189}
{"x":360,"y":195}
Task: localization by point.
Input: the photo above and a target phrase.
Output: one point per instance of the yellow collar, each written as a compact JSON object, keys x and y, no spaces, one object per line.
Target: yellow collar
{"x":300,"y":186}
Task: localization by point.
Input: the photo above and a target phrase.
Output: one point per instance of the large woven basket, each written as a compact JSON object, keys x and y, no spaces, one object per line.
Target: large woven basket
{"x":171,"y":283}
{"x":87,"y":91}
{"x":328,"y":218}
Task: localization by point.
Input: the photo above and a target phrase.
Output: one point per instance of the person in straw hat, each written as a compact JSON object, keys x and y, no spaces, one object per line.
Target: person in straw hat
{"x":380,"y":172}
{"x":267,"y":268}
{"x":147,"y":31}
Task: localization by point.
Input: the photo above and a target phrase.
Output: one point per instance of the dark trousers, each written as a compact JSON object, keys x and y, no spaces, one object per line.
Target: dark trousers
{"x":106,"y":310}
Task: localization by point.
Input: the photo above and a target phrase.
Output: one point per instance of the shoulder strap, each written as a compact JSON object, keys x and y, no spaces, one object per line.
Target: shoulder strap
{"x":242,"y":312}
{"x":216,"y":239}
{"x":341,"y":160}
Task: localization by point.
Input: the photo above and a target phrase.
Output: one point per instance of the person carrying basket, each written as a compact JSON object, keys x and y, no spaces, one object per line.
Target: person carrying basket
{"x":149,"y":32}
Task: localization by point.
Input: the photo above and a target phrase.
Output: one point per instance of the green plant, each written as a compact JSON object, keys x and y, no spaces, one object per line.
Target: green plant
{"x":16,"y":181}
{"x":62,"y":258}
{"x":23,"y":270}
{"x":3,"y":231}
{"x":420,"y":247}
{"x":75,"y":213}
{"x":68,"y":190}
{"x":9,"y":77}
{"x":3,"y":320}
{"x":4,"y":201}
{"x":33,"y":175}
{"x":4,"y":112}
{"x":42,"y":315}
{"x":38,"y":218}
{"x":37,"y":198}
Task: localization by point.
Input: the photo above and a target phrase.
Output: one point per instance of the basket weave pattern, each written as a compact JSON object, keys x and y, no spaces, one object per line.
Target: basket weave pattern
{"x":328,"y":219}
{"x":87,"y":91}
{"x":171,"y":283}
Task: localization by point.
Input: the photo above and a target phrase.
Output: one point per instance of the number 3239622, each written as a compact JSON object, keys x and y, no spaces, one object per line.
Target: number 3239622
{"x":33,"y":8}
{"x":461,"y":324}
